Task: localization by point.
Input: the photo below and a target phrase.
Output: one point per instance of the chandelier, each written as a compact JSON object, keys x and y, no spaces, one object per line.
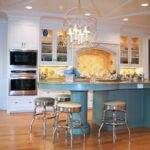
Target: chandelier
{"x":80,"y":26}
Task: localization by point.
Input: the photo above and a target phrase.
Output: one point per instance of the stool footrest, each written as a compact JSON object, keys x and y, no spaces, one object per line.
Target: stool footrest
{"x":116,"y":124}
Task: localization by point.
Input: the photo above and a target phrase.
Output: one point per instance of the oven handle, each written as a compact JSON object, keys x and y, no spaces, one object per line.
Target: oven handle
{"x":29,"y":77}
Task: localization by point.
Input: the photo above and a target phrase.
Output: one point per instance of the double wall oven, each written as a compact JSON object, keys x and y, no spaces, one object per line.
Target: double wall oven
{"x":23,"y":72}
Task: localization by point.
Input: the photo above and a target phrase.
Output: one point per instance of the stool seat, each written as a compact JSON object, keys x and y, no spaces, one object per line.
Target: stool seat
{"x":63,"y":97}
{"x":48,"y":101}
{"x":115,"y":105}
{"x":69,"y":106}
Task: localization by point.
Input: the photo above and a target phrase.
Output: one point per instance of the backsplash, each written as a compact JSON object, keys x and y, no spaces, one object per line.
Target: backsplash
{"x":95,"y":62}
{"x":131,"y":70}
{"x":51,"y":72}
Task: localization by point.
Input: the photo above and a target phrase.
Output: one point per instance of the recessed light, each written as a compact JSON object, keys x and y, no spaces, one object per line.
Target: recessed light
{"x":125,"y":19}
{"x":87,"y":14}
{"x":28,"y":7}
{"x":144,"y":4}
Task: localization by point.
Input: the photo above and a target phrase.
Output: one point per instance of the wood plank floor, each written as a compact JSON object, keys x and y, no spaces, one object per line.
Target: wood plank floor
{"x":14,"y":135}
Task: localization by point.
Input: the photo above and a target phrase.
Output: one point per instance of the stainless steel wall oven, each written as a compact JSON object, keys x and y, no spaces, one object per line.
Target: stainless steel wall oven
{"x":23,"y":83}
{"x":23,"y":58}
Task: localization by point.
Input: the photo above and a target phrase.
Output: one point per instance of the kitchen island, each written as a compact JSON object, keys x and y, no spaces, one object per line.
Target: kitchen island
{"x":136,"y":95}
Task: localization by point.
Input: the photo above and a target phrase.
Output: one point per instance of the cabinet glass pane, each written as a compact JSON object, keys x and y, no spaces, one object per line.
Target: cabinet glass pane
{"x":61,"y":46}
{"x":124,"y":50}
{"x":135,"y":50}
{"x":46,"y":45}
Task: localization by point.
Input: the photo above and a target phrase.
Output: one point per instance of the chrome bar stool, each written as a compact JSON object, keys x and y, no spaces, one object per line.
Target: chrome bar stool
{"x":116,"y":108}
{"x":43,"y":102}
{"x":63,"y":97}
{"x":69,"y":108}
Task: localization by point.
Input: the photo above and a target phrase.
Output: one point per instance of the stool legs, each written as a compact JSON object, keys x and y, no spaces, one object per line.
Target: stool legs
{"x":114,"y":124}
{"x":55,"y":126}
{"x":103,"y":119}
{"x":69,"y":126}
{"x":126,"y":122}
{"x":44,"y":120}
{"x":33,"y":119}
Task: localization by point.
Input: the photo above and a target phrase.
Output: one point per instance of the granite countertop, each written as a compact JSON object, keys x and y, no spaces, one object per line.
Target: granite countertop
{"x":62,"y":81}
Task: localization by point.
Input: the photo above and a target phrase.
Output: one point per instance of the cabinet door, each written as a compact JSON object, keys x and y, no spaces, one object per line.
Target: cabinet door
{"x":23,"y":35}
{"x":47,"y":45}
{"x":134,"y":50}
{"x":54,"y":47}
{"x":129,"y":51}
{"x":61,"y":46}
{"x":124,"y":50}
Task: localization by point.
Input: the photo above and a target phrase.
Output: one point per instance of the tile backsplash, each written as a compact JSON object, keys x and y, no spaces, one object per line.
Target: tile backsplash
{"x":51,"y":72}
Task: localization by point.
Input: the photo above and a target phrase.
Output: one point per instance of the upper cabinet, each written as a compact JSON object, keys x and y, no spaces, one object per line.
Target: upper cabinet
{"x":129,"y":51}
{"x":61,"y":46}
{"x":23,"y":33}
{"x":54,"y":47}
{"x":46,"y":45}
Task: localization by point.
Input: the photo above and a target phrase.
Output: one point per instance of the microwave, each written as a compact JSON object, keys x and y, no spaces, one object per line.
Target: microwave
{"x":23,"y":58}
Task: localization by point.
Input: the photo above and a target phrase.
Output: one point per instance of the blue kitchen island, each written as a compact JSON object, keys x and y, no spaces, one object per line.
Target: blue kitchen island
{"x":136,"y":95}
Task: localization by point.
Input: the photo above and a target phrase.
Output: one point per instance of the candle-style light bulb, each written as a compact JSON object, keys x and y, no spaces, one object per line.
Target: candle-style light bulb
{"x":86,"y":32}
{"x":70,"y":33}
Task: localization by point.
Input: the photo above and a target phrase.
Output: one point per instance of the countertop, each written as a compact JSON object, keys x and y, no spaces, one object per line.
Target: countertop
{"x":96,"y":86}
{"x":61,"y":81}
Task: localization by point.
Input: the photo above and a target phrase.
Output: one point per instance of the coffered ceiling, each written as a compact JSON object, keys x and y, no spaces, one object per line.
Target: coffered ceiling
{"x":106,"y":10}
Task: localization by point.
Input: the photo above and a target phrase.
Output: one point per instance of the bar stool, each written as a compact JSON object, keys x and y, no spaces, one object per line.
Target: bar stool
{"x":116,"y":108}
{"x":69,"y":108}
{"x":43,"y":102}
{"x":63,"y":97}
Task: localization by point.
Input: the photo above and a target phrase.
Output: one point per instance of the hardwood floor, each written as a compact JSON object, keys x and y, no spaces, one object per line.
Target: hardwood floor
{"x":14,"y":135}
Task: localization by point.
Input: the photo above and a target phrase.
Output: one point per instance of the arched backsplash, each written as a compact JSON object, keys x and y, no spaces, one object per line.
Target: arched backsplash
{"x":97,"y":61}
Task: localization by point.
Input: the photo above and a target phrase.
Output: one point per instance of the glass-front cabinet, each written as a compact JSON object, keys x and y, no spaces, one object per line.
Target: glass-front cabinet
{"x":61,"y":46}
{"x":129,"y":50}
{"x":46,"y":45}
{"x":54,"y":47}
{"x":124,"y":50}
{"x":134,"y":50}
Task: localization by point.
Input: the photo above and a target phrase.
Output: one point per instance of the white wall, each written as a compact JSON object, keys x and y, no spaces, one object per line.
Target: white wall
{"x":3,"y":64}
{"x":108,"y":33}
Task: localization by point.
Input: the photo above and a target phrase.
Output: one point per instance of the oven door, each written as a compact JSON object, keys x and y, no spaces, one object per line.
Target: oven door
{"x":23,"y":58}
{"x":23,"y":86}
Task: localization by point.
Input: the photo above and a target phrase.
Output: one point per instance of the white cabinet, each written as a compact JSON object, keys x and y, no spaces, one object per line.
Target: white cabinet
{"x":130,"y":51}
{"x":20,"y":103}
{"x":23,"y":33}
{"x":54,"y":49}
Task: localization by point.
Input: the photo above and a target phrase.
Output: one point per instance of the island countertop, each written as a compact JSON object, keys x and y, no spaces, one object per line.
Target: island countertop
{"x":98,"y":85}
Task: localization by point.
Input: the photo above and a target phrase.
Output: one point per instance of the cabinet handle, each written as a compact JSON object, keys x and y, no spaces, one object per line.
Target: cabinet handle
{"x":30,"y":102}
{"x":23,"y":44}
{"x":15,"y":102}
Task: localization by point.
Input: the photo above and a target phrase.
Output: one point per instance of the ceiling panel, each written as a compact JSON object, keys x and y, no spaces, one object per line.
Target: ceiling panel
{"x":107,"y":9}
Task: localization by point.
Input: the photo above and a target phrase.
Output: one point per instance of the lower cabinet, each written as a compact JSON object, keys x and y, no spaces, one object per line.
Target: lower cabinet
{"x":26,"y":103}
{"x":49,"y":93}
{"x":20,"y":104}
